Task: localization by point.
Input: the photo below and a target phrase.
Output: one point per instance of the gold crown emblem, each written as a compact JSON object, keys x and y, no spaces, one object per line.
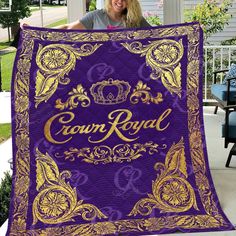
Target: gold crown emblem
{"x":108,"y":92}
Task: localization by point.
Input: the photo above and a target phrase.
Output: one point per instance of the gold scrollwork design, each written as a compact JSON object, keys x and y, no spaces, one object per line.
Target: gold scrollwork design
{"x":78,"y":93}
{"x":103,"y":154}
{"x":142,"y":91}
{"x":171,"y":190}
{"x":56,"y":201}
{"x":163,"y":56}
{"x":54,"y":62}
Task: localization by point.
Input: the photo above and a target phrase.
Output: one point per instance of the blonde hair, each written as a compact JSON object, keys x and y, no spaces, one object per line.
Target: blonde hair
{"x":132,"y":16}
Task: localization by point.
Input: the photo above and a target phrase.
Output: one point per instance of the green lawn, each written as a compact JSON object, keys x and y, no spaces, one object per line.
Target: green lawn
{"x":4,"y":45}
{"x":61,"y":22}
{"x":6,"y":69}
{"x":37,"y":7}
{"x":5,"y":132}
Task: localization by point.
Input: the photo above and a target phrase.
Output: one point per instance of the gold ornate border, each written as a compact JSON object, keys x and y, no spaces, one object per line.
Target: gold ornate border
{"x":211,"y":219}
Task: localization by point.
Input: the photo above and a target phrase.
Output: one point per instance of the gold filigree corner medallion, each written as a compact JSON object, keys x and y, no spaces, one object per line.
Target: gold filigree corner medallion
{"x":55,"y":61}
{"x":171,"y":192}
{"x":163,"y":56}
{"x":57,"y":201}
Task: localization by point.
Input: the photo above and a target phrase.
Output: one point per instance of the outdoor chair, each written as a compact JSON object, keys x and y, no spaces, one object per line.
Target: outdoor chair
{"x":229,"y":131}
{"x":224,"y":93}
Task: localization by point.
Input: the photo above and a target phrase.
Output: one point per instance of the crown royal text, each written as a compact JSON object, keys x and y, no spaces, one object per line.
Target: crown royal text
{"x":119,"y":123}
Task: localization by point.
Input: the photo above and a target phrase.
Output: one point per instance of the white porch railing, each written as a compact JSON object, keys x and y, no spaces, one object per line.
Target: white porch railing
{"x":216,"y":58}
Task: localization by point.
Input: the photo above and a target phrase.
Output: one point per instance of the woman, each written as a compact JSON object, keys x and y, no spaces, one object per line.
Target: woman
{"x":116,"y":14}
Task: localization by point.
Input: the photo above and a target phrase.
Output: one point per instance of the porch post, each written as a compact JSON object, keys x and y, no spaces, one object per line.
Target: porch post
{"x":75,"y":9}
{"x":173,"y":11}
{"x":100,"y":4}
{"x":41,"y":11}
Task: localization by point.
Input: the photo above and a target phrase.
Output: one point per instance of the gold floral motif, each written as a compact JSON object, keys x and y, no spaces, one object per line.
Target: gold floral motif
{"x":68,"y":37}
{"x":22,"y":141}
{"x":56,"y":201}
{"x":105,"y":228}
{"x":22,"y":103}
{"x":163,"y":56}
{"x":192,"y":32}
{"x":78,"y":93}
{"x":171,"y":190}
{"x":175,"y":193}
{"x":187,"y":221}
{"x":193,"y":69}
{"x":21,"y":86}
{"x":18,"y":225}
{"x":104,"y":154}
{"x":142,"y":91}
{"x":53,"y":204}
{"x":140,"y":34}
{"x":54,"y":62}
{"x":22,"y":158}
{"x":87,"y":37}
{"x":134,"y":225}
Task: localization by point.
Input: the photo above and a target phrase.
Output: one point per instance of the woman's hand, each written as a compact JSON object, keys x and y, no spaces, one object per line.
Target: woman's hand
{"x":22,"y":25}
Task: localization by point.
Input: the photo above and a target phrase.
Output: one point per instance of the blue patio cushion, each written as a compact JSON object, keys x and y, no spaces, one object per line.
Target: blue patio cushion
{"x":232,"y":125}
{"x":231,"y":74}
{"x":220,"y":91}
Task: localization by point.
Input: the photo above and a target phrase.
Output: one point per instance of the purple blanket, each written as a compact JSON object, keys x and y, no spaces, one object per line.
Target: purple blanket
{"x":108,"y":134}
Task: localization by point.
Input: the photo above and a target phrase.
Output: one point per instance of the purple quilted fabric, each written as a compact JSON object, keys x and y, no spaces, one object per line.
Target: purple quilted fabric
{"x":108,"y":134}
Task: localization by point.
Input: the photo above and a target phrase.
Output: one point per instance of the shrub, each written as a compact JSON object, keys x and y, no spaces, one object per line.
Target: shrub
{"x":231,"y":41}
{"x":92,"y":5}
{"x":152,"y":18}
{"x":213,"y":15}
{"x":5,"y":192}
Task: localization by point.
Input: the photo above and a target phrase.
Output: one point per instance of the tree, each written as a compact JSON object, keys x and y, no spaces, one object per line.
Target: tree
{"x":213,"y":15}
{"x":19,"y":10}
{"x":4,"y":4}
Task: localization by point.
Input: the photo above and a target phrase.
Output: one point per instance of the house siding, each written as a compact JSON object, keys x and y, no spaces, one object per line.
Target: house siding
{"x":154,"y":7}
